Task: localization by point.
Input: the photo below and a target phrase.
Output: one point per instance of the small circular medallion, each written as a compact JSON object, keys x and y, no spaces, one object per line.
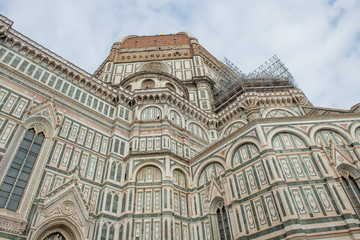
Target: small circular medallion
{"x":67,"y":207}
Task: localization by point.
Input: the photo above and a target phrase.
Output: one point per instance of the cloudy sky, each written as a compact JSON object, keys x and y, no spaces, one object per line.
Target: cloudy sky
{"x":318,"y":40}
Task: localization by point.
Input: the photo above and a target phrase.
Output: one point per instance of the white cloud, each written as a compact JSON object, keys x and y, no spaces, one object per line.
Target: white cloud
{"x":319,"y":41}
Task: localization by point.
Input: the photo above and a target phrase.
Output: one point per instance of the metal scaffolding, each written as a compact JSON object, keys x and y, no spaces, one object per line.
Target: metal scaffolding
{"x":231,"y":82}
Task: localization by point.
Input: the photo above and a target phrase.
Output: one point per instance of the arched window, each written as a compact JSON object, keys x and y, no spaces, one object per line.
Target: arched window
{"x":123,"y":203}
{"x":198,"y":131}
{"x":214,"y":169}
{"x":115,"y":203}
{"x":223,"y":222}
{"x":179,"y":178}
{"x":12,"y":189}
{"x":121,"y":232}
{"x":175,"y":118}
{"x":112,"y":232}
{"x":148,"y":83}
{"x":149,"y":174}
{"x":170,"y":86}
{"x":108,"y":201}
{"x":103,"y":232}
{"x":151,"y":113}
{"x":112,"y":170}
{"x":244,"y":153}
{"x":128,"y":230}
{"x":353,"y":191}
{"x":118,"y":174}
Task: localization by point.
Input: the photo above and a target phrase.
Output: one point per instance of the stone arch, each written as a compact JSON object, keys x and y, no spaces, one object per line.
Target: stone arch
{"x":214,"y":203}
{"x":64,"y":225}
{"x":231,"y":124}
{"x":204,"y":164}
{"x":49,"y":128}
{"x":353,"y":128}
{"x":217,"y":212}
{"x":265,"y":113}
{"x":230,"y":153}
{"x":294,"y":131}
{"x":145,"y":164}
{"x":347,"y":167}
{"x":333,"y":128}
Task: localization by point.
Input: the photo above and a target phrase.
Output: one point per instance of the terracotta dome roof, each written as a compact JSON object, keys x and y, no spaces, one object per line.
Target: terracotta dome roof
{"x":155,"y":41}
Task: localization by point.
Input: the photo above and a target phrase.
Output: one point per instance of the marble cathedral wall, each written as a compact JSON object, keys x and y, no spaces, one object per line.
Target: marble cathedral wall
{"x":81,"y":160}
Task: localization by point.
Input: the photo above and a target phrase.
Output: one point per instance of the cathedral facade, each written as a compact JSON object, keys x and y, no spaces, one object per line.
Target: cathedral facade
{"x":164,"y":141}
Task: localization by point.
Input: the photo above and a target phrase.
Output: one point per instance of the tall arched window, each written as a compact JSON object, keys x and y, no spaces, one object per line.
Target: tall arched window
{"x":103,"y":232}
{"x":118,"y":174}
{"x":115,"y":203}
{"x":112,"y":232}
{"x":223,"y":222}
{"x":123,"y":203}
{"x":12,"y":189}
{"x":121,"y":232}
{"x":353,"y":191}
{"x":108,"y":201}
{"x":112,"y":170}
